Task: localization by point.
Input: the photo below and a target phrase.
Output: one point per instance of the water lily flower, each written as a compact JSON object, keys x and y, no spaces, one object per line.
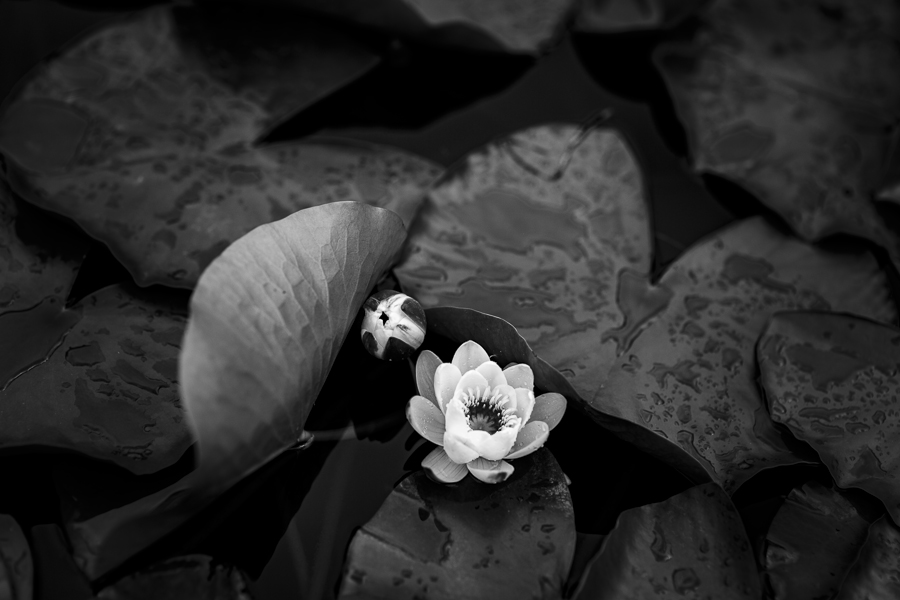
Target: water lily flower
{"x":478,"y":414}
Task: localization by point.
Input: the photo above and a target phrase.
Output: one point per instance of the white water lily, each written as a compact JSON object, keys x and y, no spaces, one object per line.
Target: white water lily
{"x":478,"y":414}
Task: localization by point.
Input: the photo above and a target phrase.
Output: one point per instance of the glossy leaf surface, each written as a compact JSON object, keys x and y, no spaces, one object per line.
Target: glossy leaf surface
{"x":16,"y":568}
{"x":796,"y":102}
{"x":143,"y":134}
{"x":876,"y":573}
{"x":181,"y":578}
{"x":537,"y":229}
{"x":513,"y":539}
{"x":691,"y":545}
{"x":689,"y":374}
{"x":109,"y":386}
{"x":811,"y":543}
{"x":833,"y":381}
{"x":617,"y":16}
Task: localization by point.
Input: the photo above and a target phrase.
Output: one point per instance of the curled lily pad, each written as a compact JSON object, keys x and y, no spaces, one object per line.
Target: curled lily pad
{"x":833,"y":380}
{"x":267,"y":320}
{"x":514,"y":539}
{"x":812,"y":541}
{"x":798,"y":103}
{"x":548,"y":230}
{"x":109,"y":386}
{"x":876,"y":573}
{"x":615,"y":16}
{"x":181,"y":578}
{"x":143,"y":134}
{"x":16,"y":569}
{"x":526,"y":26}
{"x":689,"y":375}
{"x":692,"y":545}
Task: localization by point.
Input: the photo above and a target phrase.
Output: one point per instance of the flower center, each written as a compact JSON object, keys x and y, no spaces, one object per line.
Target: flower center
{"x":485,"y":411}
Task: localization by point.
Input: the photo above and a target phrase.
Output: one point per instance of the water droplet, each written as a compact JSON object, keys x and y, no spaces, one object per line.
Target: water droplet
{"x":684,"y":580}
{"x":659,"y":547}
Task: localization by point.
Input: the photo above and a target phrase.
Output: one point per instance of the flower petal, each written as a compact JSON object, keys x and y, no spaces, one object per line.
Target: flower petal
{"x":491,"y":446}
{"x":519,"y":376}
{"x":492,"y":373}
{"x":471,"y":380}
{"x":549,"y":408}
{"x":524,"y":404}
{"x":490,"y":471}
{"x":446,"y":376}
{"x":457,"y":449}
{"x":426,"y":418}
{"x":457,"y":426}
{"x":469,"y":356}
{"x":439,"y":467}
{"x":426,"y":365}
{"x":509,"y":392}
{"x":531,"y":437}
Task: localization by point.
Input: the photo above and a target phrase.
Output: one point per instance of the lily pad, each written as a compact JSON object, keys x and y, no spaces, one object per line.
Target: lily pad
{"x":29,"y":273}
{"x":833,"y":381}
{"x":876,"y":573}
{"x":548,"y":230}
{"x":267,"y":320}
{"x":811,"y":543}
{"x":143,"y":134}
{"x":689,"y":375}
{"x":514,"y":539}
{"x":16,"y":569}
{"x":525,"y":26}
{"x":181,"y":578}
{"x":692,"y":545}
{"x":108,"y":387}
{"x":617,"y":16}
{"x":797,"y":102}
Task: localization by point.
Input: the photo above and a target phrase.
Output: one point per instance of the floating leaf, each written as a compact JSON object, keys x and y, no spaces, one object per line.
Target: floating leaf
{"x":514,"y":539}
{"x":181,"y":578}
{"x":16,"y":569}
{"x":689,"y":376}
{"x":267,"y":320}
{"x":812,"y":541}
{"x":876,"y":573}
{"x":537,"y":229}
{"x":692,"y":544}
{"x":31,"y":274}
{"x":617,"y":16}
{"x":798,"y":103}
{"x":833,"y":380}
{"x":526,"y":26}
{"x":109,"y":386}
{"x":143,"y":134}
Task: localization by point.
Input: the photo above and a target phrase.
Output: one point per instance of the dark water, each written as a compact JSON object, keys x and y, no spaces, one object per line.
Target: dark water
{"x":290,"y":526}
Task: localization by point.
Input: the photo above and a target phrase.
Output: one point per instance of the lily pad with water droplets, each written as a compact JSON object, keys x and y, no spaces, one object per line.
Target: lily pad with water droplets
{"x":833,"y":381}
{"x":16,"y":568}
{"x":143,"y":133}
{"x":108,"y":387}
{"x":181,"y":578}
{"x":548,"y":230}
{"x":618,"y":16}
{"x":267,"y":320}
{"x":811,"y":543}
{"x":511,"y":540}
{"x":691,"y":545}
{"x":876,"y":573}
{"x":689,"y":375}
{"x":797,"y":102}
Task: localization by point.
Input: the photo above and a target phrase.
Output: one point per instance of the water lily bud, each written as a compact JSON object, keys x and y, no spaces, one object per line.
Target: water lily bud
{"x":393,"y":325}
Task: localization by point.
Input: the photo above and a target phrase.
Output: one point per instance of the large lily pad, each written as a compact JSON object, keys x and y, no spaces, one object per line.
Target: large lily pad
{"x":691,"y":545}
{"x":798,"y":103}
{"x":690,"y":377}
{"x":267,"y":320}
{"x":876,"y":573}
{"x":615,"y":16}
{"x":833,"y":380}
{"x":811,"y":543}
{"x":108,"y":387}
{"x":468,"y":540}
{"x":191,"y":577}
{"x":548,"y":230}
{"x":16,"y":569}
{"x":143,"y":134}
